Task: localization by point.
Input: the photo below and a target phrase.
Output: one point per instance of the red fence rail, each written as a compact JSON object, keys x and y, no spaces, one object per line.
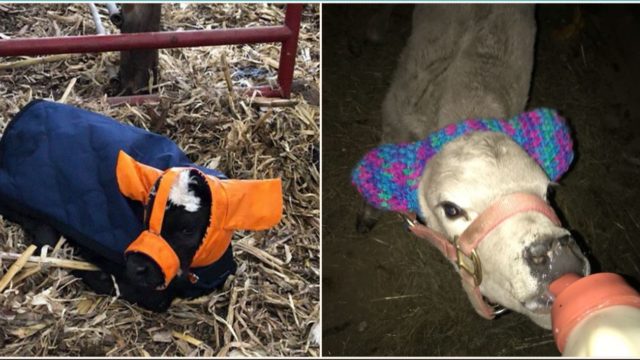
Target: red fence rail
{"x":287,"y":34}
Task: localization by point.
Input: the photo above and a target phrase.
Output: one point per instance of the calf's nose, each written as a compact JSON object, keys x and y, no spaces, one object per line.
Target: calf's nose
{"x":551,"y":257}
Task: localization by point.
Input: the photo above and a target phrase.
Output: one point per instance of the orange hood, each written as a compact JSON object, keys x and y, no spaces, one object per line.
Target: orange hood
{"x":235,"y":205}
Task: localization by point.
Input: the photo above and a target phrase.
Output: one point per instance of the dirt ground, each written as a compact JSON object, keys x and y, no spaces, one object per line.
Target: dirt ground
{"x":389,"y":293}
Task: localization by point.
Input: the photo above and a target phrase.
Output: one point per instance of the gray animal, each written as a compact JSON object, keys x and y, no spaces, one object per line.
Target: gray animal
{"x":468,"y":61}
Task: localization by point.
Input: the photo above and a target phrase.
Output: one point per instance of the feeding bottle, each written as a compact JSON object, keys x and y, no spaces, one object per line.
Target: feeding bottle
{"x":596,"y":315}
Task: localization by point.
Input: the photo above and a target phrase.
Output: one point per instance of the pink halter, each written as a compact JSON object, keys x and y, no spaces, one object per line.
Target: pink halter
{"x":462,"y":251}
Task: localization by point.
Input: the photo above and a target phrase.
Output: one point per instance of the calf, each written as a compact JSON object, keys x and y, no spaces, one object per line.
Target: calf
{"x":141,"y":280}
{"x":475,"y":61}
{"x":157,"y":225}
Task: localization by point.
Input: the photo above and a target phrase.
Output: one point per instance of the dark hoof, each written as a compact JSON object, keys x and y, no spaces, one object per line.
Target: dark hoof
{"x":100,"y":282}
{"x":364,"y":224}
{"x":368,"y":217}
{"x":46,"y":235}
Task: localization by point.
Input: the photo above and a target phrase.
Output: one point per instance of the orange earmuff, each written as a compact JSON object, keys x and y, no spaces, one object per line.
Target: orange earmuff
{"x":251,"y":204}
{"x":238,"y":205}
{"x":135,"y":179}
{"x":150,"y":242}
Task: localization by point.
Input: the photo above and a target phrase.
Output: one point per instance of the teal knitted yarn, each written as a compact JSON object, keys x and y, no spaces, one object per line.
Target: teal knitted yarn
{"x":388,"y":176}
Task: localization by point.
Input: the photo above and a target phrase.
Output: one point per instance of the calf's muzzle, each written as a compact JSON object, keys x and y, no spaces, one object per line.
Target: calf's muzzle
{"x":552,"y":257}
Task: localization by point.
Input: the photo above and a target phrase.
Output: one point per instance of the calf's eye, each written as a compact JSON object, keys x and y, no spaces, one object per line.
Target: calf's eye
{"x":451,"y":210}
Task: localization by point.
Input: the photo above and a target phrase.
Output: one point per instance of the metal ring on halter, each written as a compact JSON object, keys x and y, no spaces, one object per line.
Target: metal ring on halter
{"x":499,"y":310}
{"x":410,"y":223}
{"x":476,"y":272}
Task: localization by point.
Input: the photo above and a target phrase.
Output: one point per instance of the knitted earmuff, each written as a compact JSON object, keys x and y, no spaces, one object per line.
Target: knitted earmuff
{"x":388,"y":176}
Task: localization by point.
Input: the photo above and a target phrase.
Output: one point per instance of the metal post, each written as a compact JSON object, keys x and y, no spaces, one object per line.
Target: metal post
{"x":292,"y":20}
{"x":96,"y":19}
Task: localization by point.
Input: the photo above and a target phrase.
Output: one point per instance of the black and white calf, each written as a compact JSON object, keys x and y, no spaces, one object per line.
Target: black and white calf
{"x":141,"y":281}
{"x":158,"y":225}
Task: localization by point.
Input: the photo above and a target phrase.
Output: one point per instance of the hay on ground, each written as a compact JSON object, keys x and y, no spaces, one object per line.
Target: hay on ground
{"x":271,"y":305}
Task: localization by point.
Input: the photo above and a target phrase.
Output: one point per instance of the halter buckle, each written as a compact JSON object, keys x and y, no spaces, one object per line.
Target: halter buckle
{"x":408,"y":222}
{"x":475,"y":269}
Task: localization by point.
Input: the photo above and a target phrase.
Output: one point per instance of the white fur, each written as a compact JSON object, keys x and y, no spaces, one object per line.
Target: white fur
{"x":181,"y":195}
{"x":473,"y":172}
{"x":465,"y":61}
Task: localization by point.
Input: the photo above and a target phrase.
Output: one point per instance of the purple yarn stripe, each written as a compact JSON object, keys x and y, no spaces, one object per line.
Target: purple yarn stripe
{"x":388,"y":175}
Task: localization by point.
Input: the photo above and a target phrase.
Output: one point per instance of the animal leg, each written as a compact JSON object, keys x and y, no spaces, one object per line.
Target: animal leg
{"x":99,"y":281}
{"x":367,"y":218}
{"x":36,"y":232}
{"x":139,"y":67}
{"x":42,"y":234}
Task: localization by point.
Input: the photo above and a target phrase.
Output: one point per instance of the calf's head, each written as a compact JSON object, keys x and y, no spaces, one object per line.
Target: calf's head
{"x":189,"y":218}
{"x":524,"y":253}
{"x":455,"y":174}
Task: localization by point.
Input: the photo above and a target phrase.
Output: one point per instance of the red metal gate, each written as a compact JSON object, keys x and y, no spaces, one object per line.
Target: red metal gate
{"x":287,"y":34}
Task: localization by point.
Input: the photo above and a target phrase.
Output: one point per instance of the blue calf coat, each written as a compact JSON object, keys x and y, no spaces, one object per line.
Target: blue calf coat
{"x":58,"y":166}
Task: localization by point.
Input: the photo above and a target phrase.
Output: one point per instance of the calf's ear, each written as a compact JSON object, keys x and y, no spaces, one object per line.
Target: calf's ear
{"x":247,"y":204}
{"x":135,"y":179}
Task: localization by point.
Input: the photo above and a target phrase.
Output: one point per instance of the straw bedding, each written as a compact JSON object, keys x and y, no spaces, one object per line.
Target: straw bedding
{"x":271,"y":306}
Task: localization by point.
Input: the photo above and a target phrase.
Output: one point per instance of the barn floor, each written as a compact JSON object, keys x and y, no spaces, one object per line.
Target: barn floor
{"x":389,"y":293}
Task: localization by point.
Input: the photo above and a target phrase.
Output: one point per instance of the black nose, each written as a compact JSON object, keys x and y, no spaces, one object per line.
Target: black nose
{"x":554,"y":256}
